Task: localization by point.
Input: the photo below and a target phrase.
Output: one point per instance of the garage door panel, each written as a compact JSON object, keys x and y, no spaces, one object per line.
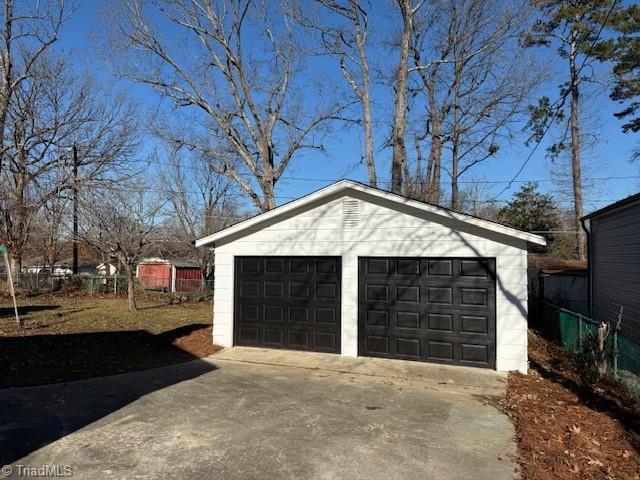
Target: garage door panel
{"x":377,"y":266}
{"x":250,"y":265}
{"x":249,"y":312}
{"x":376,"y":318}
{"x":474,"y":353}
{"x":326,"y":265}
{"x":376,"y":345}
{"x":288,"y":302}
{"x":443,"y":312}
{"x":440,"y":267}
{"x":273,"y":313}
{"x":299,"y":313}
{"x":443,"y":322}
{"x":474,"y":324}
{"x":326,"y":340}
{"x":408,"y":347}
{"x":439,"y":295}
{"x":327,"y":315}
{"x":274,"y":265}
{"x":440,"y":350}
{"x":474,"y":268}
{"x":408,"y":320}
{"x":250,"y":288}
{"x":474,"y":297}
{"x":408,"y":293}
{"x":249,"y":335}
{"x":273,"y":336}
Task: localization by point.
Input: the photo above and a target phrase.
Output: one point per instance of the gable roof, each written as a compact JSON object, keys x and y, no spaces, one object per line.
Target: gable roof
{"x":350,"y":185}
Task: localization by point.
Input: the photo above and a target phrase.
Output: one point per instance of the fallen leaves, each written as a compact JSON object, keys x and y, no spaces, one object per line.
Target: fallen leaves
{"x":563,"y":430}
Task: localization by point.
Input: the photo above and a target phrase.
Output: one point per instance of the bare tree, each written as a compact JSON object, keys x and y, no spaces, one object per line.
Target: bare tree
{"x":28,"y":30}
{"x":235,"y":65}
{"x":475,"y":83}
{"x":202,"y":202}
{"x":408,"y":10}
{"x":52,"y":111}
{"x":122,"y":223}
{"x":48,"y":235}
{"x":345,"y":35}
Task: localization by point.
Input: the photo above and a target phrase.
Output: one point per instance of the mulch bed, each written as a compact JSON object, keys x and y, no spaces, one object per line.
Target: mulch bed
{"x":567,"y":428}
{"x":198,"y":343}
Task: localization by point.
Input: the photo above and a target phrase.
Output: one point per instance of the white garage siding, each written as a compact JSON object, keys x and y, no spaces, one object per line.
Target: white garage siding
{"x":379,"y":228}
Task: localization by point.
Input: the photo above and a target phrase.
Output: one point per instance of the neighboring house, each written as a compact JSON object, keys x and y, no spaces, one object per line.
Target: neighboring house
{"x":614,"y":263}
{"x":567,"y":289}
{"x":354,"y":270}
{"x":562,"y":282}
{"x":170,"y":275}
{"x":106,"y":269}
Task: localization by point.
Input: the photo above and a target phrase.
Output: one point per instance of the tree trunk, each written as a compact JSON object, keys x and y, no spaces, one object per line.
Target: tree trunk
{"x":581,"y":241}
{"x":454,"y":177}
{"x":435,"y":163}
{"x":268,"y":191}
{"x":455,"y":153}
{"x":400,"y":117}
{"x":131,"y":298}
{"x":366,"y":98}
{"x":7,"y":74}
{"x":16,"y":265}
{"x":455,"y":133}
{"x":368,"y":137}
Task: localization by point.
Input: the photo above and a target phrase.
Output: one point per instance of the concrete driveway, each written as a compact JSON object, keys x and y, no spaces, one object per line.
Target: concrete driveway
{"x":248,"y":413}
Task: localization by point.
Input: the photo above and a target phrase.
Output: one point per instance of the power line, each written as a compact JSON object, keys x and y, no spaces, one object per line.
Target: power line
{"x":388,"y":182}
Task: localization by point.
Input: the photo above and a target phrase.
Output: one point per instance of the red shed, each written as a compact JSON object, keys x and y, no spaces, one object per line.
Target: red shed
{"x":187,"y":277}
{"x":174,"y":276}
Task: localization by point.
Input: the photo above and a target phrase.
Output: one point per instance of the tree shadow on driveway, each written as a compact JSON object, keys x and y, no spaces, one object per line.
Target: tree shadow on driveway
{"x":33,"y":417}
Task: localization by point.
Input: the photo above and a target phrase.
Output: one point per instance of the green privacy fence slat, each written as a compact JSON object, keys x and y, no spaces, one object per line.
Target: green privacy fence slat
{"x":569,"y":328}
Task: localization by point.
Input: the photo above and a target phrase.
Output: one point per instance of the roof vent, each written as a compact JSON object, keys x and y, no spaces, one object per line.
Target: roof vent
{"x":350,"y":213}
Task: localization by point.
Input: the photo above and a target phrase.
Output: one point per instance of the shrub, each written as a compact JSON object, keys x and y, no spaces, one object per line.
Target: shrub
{"x":74,"y":283}
{"x":595,"y":352}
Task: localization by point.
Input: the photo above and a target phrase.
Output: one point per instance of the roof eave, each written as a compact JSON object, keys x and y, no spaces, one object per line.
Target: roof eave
{"x":624,"y":203}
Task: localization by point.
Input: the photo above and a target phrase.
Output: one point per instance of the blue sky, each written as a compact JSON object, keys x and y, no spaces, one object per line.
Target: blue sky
{"x":608,"y":160}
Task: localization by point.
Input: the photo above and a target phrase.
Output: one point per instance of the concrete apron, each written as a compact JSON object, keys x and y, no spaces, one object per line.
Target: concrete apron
{"x":445,"y":378}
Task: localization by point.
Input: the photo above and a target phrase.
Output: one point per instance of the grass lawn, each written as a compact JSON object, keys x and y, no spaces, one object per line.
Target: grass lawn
{"x":68,"y":338}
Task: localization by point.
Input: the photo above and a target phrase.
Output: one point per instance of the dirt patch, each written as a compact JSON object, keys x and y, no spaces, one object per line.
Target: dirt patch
{"x":566,"y":428}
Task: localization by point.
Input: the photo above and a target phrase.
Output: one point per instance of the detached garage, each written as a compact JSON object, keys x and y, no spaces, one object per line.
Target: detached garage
{"x":358,"y":271}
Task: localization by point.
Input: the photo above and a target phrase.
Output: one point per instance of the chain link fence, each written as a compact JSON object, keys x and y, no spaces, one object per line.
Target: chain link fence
{"x":41,"y":283}
{"x":573,"y":329}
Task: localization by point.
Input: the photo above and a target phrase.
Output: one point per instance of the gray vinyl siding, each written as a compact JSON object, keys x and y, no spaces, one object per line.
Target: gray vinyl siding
{"x":615,"y":265}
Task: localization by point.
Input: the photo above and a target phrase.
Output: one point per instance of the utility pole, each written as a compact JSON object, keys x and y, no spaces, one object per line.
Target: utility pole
{"x":75,"y":209}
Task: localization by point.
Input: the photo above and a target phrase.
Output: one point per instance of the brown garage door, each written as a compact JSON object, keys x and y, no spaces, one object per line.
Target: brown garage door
{"x":288,"y":302}
{"x":429,"y":309}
